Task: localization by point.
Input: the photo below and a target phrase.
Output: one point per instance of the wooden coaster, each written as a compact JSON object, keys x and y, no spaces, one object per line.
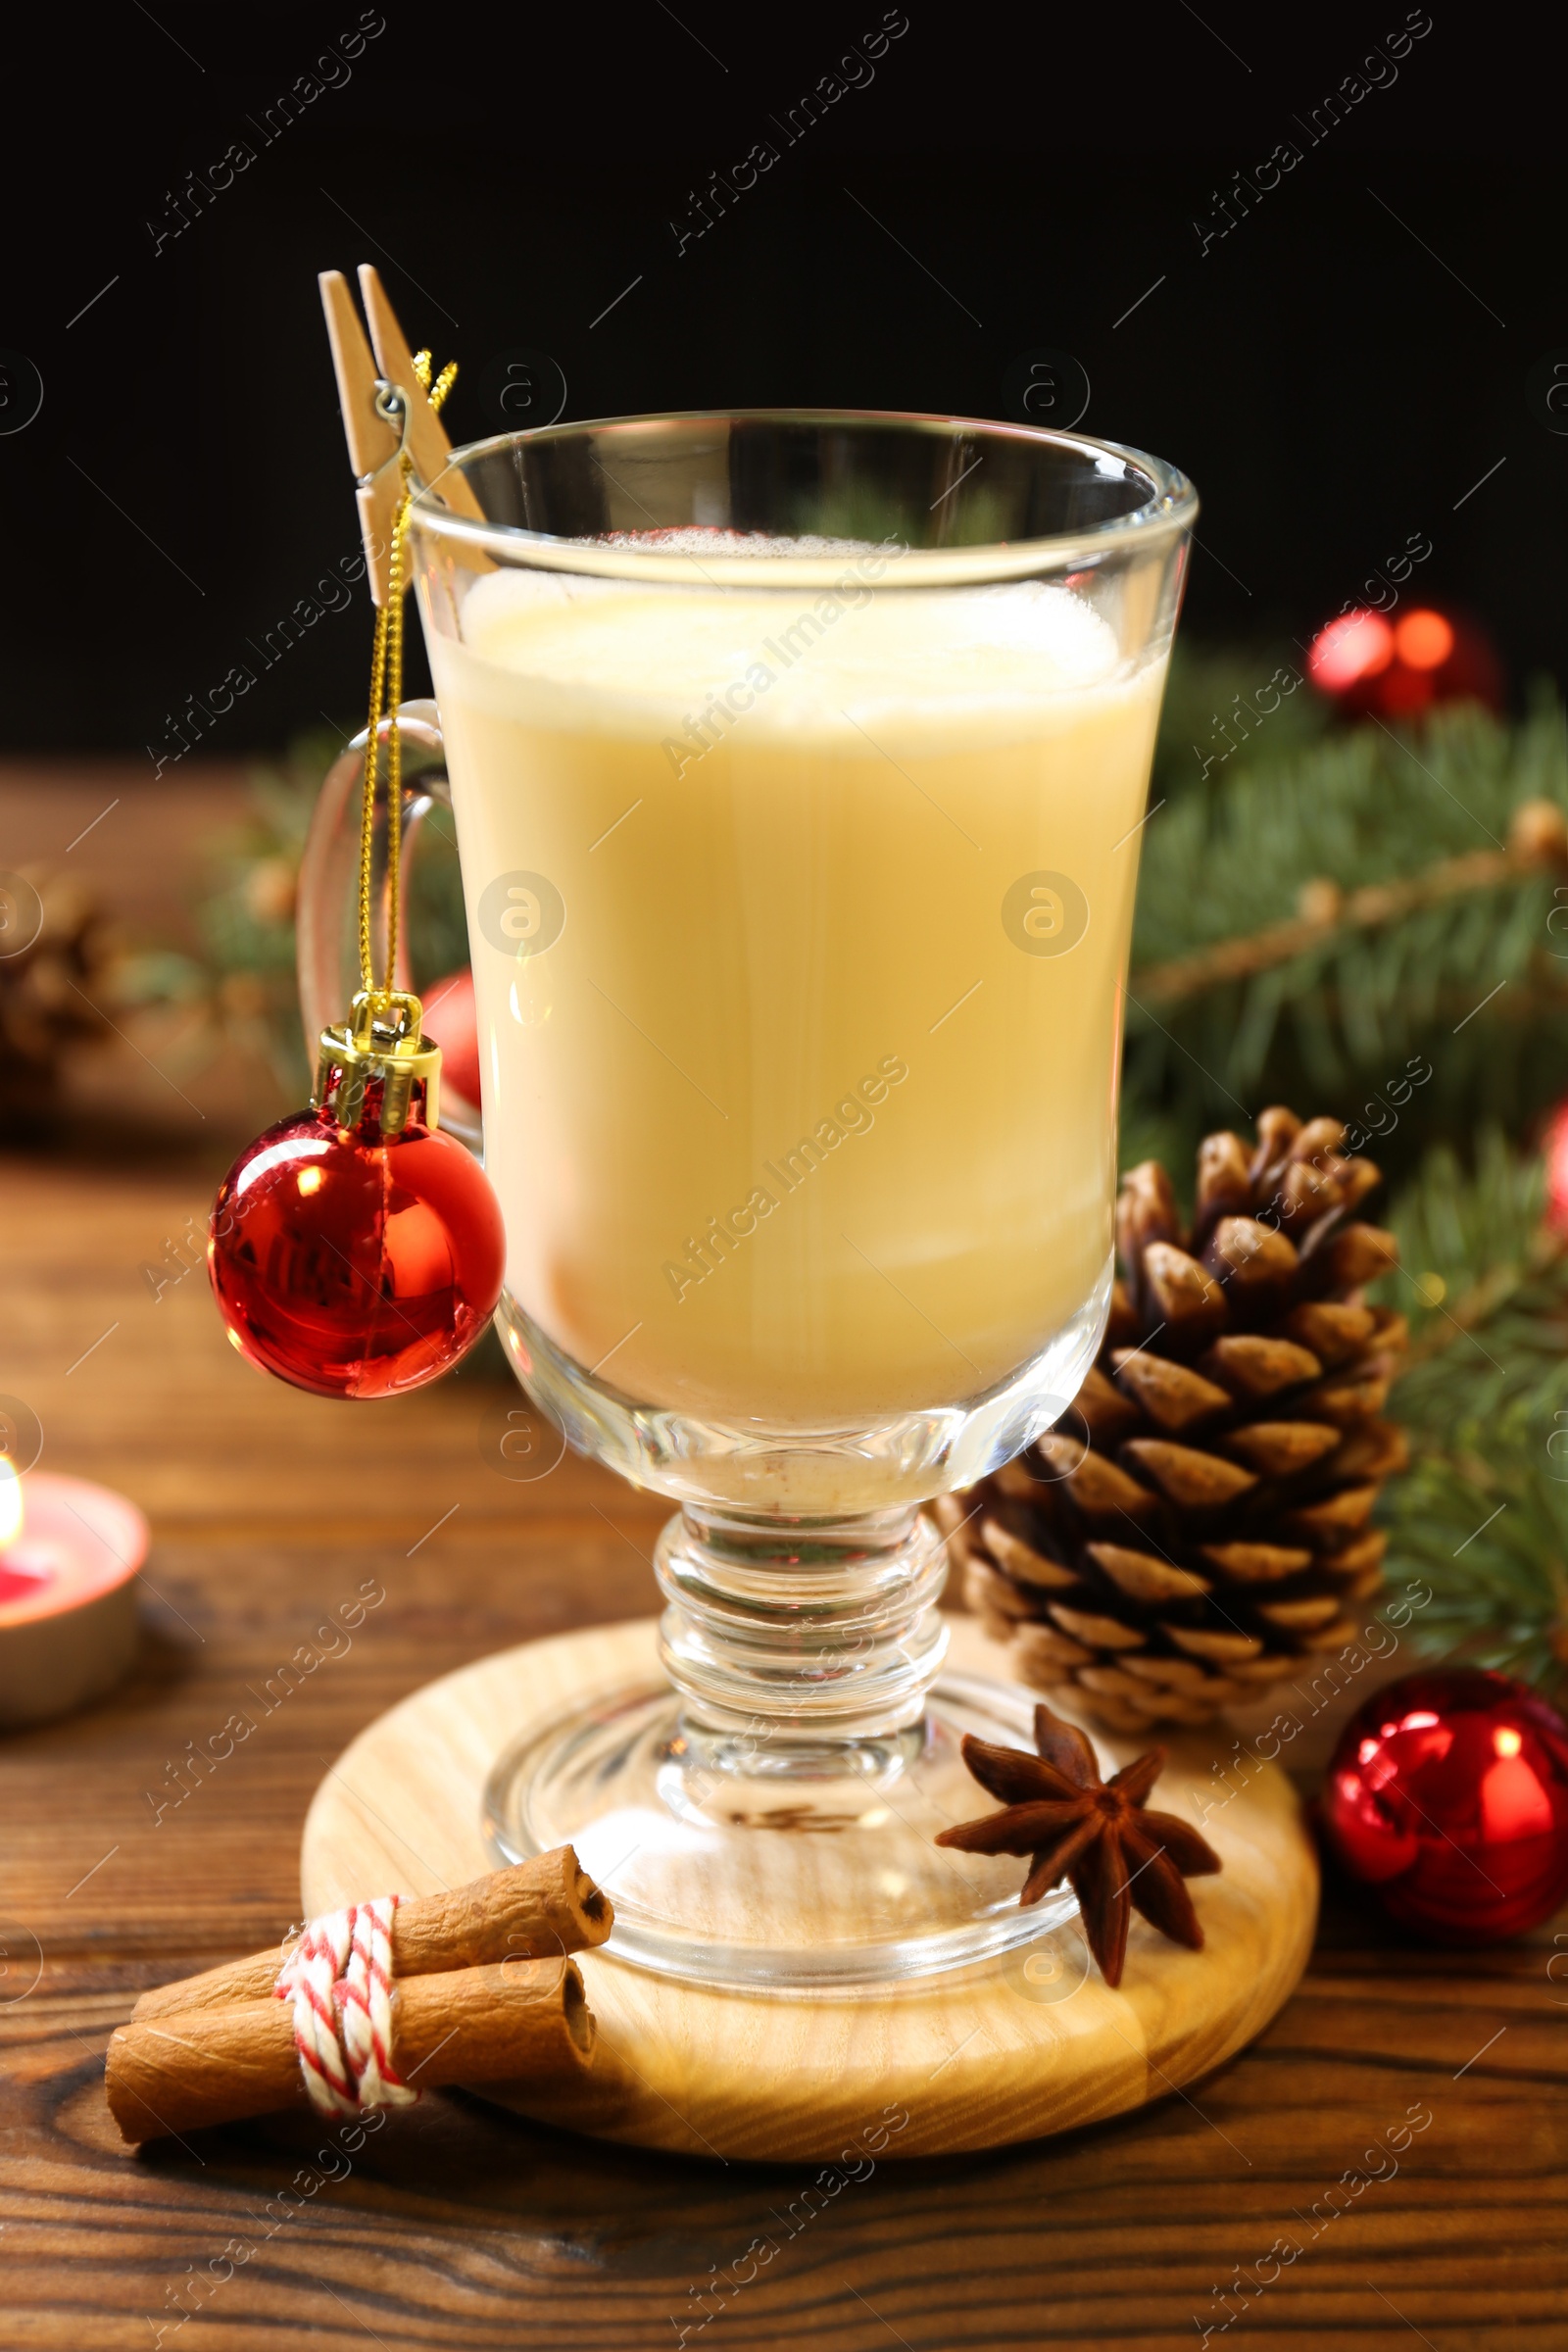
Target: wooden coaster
{"x":1003,"y":2051}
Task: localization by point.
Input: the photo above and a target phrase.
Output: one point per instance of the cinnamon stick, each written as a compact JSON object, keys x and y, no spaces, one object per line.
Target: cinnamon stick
{"x":542,"y":1910}
{"x":528,"y":2021}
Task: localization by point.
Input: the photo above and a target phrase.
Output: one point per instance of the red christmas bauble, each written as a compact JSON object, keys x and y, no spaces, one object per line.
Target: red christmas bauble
{"x":1554,"y":1151}
{"x":452,"y":1022}
{"x":1448,"y":1798}
{"x":1369,"y":664}
{"x":353,"y":1264}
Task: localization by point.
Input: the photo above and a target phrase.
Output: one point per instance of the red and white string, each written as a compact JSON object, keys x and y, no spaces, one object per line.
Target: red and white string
{"x":339,"y":1979}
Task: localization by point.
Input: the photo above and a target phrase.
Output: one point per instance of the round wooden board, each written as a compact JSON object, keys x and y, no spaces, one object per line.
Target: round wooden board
{"x":1007,"y":2050}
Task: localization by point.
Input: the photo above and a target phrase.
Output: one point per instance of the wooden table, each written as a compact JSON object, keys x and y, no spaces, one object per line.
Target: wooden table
{"x":459,"y":2226}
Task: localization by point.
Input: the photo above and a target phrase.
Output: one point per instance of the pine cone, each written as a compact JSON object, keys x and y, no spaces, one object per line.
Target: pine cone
{"x":52,"y":979}
{"x":1198,"y":1521}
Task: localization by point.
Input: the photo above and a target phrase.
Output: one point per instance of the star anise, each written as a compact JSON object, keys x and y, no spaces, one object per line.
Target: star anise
{"x":1095,"y":1832}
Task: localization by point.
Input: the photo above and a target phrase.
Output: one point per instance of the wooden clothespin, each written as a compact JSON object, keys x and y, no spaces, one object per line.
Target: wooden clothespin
{"x":373,"y":441}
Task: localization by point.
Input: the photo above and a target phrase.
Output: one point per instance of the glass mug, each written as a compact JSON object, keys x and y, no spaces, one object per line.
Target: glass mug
{"x":797,"y":762}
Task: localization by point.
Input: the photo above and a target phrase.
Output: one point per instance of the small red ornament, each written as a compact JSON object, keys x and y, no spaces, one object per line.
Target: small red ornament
{"x":1371,"y":666}
{"x":356,"y":1250}
{"x":452,"y":1022}
{"x":1448,"y":1798}
{"x":1554,"y":1151}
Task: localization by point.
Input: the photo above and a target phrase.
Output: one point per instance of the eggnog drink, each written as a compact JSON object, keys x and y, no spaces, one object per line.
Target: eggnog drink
{"x":800,"y":924}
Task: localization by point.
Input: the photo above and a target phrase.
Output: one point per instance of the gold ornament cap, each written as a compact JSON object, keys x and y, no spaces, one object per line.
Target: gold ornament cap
{"x":384,"y":1038}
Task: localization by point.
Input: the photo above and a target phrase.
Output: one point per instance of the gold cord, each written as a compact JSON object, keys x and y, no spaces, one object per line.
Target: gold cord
{"x":387,"y":696}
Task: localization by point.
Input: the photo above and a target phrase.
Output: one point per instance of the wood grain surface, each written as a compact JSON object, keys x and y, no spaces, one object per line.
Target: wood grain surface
{"x":457,"y":2225}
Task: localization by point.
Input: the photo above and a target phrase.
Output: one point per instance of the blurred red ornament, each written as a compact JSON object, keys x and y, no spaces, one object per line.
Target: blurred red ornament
{"x":452,"y":1022}
{"x":1554,"y":1151}
{"x":354,"y":1249}
{"x":1448,"y":1798}
{"x":1370,"y":666}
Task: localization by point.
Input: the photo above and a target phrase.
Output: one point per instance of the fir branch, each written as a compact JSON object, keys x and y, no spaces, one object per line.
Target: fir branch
{"x":1483,"y":1512}
{"x":1485,"y":1286}
{"x":1362,"y":805}
{"x":1491,"y":1542}
{"x":1239,"y":996}
{"x":1538,"y":840}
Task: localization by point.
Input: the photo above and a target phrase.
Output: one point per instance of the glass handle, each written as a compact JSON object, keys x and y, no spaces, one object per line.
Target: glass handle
{"x":327,"y":936}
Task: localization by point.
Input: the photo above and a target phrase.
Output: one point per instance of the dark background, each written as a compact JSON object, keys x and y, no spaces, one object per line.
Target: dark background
{"x":1335,"y":377}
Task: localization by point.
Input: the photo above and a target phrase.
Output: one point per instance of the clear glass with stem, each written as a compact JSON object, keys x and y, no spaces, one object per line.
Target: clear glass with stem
{"x":797,"y":762}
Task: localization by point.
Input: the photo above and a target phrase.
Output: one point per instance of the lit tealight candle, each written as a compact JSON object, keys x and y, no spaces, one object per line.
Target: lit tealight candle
{"x":69,"y":1555}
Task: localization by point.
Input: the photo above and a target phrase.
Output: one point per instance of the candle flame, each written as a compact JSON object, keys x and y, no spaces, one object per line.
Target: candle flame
{"x":10,"y":1502}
